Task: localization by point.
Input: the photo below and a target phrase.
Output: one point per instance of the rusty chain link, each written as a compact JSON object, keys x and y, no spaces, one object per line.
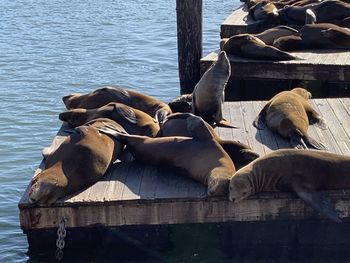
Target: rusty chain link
{"x":61,"y":234}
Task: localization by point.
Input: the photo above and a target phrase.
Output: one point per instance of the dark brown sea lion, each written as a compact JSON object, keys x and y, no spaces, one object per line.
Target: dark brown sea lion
{"x":200,"y":157}
{"x":208,"y":94}
{"x":299,"y":171}
{"x":289,"y":113}
{"x":132,"y":120}
{"x":81,"y":160}
{"x":316,"y":36}
{"x":181,"y":104}
{"x":102,"y":96}
{"x":249,"y":46}
{"x":176,"y":125}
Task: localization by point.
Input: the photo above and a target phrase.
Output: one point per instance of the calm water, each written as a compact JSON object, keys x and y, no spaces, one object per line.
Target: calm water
{"x":52,"y":48}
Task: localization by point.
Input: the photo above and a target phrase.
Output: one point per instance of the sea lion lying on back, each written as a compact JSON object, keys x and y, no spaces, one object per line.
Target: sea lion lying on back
{"x":208,"y":94}
{"x":102,"y":96}
{"x":299,"y":171}
{"x":132,"y":120}
{"x":176,"y":125}
{"x":81,"y":160}
{"x":200,"y":157}
{"x":289,"y":113}
{"x":249,"y":46}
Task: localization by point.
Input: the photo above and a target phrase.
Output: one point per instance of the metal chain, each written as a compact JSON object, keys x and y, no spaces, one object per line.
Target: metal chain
{"x":61,"y":234}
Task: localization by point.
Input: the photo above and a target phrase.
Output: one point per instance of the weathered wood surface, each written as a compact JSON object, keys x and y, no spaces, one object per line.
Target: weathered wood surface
{"x":236,"y":23}
{"x":326,"y":65}
{"x":189,"y":42}
{"x":131,"y":194}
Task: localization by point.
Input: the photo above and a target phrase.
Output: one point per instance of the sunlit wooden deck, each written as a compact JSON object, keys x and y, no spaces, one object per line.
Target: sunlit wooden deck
{"x":131,"y":194}
{"x":326,"y":65}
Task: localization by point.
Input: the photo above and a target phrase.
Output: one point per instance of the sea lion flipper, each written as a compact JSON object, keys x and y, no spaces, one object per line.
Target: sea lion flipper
{"x":315,"y":144}
{"x":260,"y":120}
{"x":297,"y":142}
{"x":318,"y":121}
{"x":318,"y":201}
{"x":226,"y":123}
{"x":180,"y":106}
{"x":197,"y":128}
{"x":127,"y":113}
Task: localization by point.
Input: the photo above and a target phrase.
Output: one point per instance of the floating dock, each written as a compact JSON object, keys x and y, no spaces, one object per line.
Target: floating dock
{"x":132,"y":194}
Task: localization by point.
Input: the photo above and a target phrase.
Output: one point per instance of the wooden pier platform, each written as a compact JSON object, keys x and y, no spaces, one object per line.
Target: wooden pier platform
{"x":236,"y":23}
{"x":131,"y":194}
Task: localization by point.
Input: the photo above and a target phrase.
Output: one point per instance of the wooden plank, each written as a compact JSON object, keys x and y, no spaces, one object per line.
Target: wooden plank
{"x":325,"y":136}
{"x":316,"y":65}
{"x":265,"y":207}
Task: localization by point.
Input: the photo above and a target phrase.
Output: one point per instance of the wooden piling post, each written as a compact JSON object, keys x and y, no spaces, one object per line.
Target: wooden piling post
{"x":189,"y":42}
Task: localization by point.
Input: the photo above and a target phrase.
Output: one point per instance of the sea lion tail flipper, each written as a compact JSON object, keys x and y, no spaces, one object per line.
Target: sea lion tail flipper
{"x":315,"y":144}
{"x":297,"y":141}
{"x":260,"y":120}
{"x":197,"y":128}
{"x":318,"y":121}
{"x":226,"y":123}
{"x":317,"y":201}
{"x":161,"y":115}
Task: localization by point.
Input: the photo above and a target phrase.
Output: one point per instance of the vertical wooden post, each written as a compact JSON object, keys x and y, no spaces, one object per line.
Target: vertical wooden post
{"x":189,"y":42}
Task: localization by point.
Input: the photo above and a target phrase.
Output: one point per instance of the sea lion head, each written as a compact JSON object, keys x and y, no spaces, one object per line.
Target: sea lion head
{"x":44,"y":189}
{"x":75,"y":117}
{"x":224,"y":63}
{"x":240,"y":187}
{"x":71,"y":101}
{"x":302,"y":92}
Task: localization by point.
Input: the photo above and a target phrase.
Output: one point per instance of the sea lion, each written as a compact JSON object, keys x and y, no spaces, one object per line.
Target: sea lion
{"x":132,"y":120}
{"x":200,"y":157}
{"x":81,"y":160}
{"x":316,"y":36}
{"x":249,"y":46}
{"x":263,"y":10}
{"x":102,"y":96}
{"x":181,"y":103}
{"x":269,"y":35}
{"x":299,"y":171}
{"x":176,"y":125}
{"x":208,"y":94}
{"x":289,"y":113}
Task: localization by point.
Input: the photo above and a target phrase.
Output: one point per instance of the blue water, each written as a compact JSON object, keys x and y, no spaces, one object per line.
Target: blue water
{"x":49,"y":49}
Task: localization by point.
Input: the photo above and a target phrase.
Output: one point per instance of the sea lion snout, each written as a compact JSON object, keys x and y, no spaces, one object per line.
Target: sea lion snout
{"x":67,"y":100}
{"x":239,"y":187}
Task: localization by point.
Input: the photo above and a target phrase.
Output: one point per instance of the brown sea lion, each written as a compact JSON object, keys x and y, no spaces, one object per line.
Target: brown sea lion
{"x":81,"y":160}
{"x":299,"y":171}
{"x":102,"y":96}
{"x":249,"y":46}
{"x":181,"y":104}
{"x":316,"y":36}
{"x":176,"y":125}
{"x":132,"y":120}
{"x":269,"y":35}
{"x":200,"y":157}
{"x":289,"y":113}
{"x":263,"y":10}
{"x":208,"y":94}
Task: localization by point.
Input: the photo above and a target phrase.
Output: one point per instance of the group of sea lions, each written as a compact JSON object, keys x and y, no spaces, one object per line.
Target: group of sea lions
{"x":111,"y":120}
{"x":290,"y":25}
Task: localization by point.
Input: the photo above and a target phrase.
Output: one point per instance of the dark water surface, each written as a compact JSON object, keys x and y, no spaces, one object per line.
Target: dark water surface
{"x":52,"y":48}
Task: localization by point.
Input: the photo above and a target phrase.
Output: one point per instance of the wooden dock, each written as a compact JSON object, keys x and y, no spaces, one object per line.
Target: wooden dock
{"x":131,"y":194}
{"x":236,"y":23}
